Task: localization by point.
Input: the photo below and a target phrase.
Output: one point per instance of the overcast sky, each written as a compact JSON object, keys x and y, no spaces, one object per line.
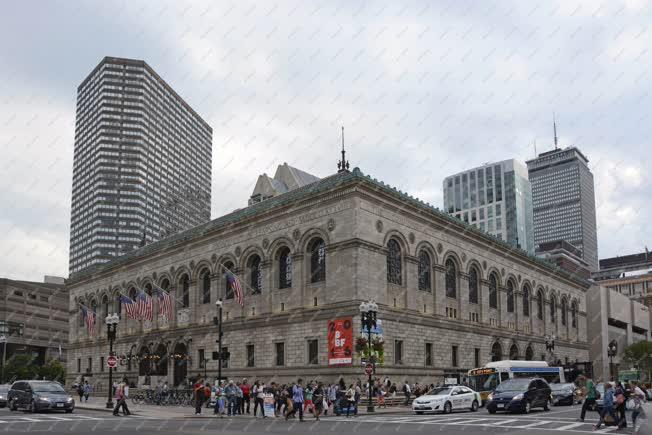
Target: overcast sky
{"x":424,"y":90}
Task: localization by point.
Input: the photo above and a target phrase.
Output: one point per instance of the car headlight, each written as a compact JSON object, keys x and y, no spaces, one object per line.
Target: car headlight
{"x":70,"y":400}
{"x":518,"y":397}
{"x":43,"y":399}
{"x":490,"y":397}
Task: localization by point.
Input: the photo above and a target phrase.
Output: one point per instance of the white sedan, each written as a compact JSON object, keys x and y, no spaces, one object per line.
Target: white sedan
{"x":447,"y":400}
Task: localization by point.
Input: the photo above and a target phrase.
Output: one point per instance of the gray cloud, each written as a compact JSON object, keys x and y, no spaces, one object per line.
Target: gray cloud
{"x":424,"y":90}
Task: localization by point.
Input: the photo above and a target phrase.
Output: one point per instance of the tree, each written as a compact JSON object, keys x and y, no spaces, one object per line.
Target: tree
{"x":639,"y":355}
{"x":21,"y":367}
{"x":52,"y":370}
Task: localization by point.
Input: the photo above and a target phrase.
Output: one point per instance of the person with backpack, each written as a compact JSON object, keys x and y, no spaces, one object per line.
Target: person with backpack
{"x":121,"y":396}
{"x":407,"y":391}
{"x":590,"y":396}
{"x":80,"y":391}
{"x":607,"y":406}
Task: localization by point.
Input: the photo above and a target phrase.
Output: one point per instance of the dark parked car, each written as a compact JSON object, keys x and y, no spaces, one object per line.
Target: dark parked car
{"x":520,"y":395}
{"x":37,"y":396}
{"x":564,"y":394}
{"x":4,"y":389}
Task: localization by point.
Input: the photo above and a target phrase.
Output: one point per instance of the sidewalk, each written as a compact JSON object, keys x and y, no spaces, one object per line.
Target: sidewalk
{"x":99,"y":404}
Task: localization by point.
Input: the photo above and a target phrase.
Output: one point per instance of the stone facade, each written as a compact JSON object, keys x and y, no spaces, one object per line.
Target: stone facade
{"x":356,"y":217}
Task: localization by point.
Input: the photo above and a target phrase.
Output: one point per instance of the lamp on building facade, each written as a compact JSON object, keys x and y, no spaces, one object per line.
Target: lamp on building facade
{"x":550,"y":343}
{"x":112,"y":321}
{"x":368,"y":318}
{"x":612,"y":351}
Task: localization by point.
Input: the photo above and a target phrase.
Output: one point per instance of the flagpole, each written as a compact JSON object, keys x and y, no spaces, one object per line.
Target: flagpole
{"x":251,"y":289}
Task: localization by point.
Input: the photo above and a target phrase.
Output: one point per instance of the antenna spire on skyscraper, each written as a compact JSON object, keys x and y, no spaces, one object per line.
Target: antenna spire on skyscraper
{"x":554,"y":127}
{"x":343,"y":165}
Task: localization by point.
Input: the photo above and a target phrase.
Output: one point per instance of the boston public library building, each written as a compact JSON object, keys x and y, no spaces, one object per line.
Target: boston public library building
{"x":450,"y":297}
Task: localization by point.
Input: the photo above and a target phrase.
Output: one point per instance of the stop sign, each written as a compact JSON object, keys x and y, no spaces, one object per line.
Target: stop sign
{"x":112,"y":361}
{"x":369,"y":368}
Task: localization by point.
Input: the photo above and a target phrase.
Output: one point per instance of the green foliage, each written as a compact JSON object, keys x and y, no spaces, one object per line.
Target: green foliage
{"x":23,"y":367}
{"x":639,"y":355}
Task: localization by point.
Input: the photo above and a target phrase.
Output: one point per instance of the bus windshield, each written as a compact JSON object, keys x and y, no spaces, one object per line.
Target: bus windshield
{"x":486,"y":382}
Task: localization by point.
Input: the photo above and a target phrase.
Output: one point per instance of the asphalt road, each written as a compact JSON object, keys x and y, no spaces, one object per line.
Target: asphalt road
{"x":560,"y":419}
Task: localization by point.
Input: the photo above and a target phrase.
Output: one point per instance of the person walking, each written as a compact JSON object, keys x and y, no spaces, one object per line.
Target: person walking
{"x":80,"y":391}
{"x":407,"y":391}
{"x":259,"y":399}
{"x":87,"y":390}
{"x":121,"y":396}
{"x":638,"y":397}
{"x":350,"y":399}
{"x":246,"y":397}
{"x":307,"y":404}
{"x":297,"y":400}
{"x":620,"y":397}
{"x":198,"y":389}
{"x":318,"y":400}
{"x":607,"y":405}
{"x":590,"y":397}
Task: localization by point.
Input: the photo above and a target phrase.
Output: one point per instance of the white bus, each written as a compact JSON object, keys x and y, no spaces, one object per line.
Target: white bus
{"x":485,"y":379}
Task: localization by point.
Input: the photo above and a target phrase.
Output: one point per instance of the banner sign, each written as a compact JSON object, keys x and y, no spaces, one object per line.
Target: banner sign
{"x":340,"y":341}
{"x":268,"y":405}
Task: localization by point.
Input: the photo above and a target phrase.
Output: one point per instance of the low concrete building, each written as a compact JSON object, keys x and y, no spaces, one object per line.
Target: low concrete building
{"x":630,"y":275}
{"x":613,"y":316}
{"x":36,"y":314}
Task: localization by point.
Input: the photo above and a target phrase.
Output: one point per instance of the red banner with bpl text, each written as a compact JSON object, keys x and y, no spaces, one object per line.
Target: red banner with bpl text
{"x":340,"y":341}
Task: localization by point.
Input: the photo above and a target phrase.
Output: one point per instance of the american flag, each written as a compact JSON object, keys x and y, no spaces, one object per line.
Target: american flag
{"x":234,"y":282}
{"x":89,"y":319}
{"x":130,"y":307}
{"x":165,"y":306}
{"x":144,"y":306}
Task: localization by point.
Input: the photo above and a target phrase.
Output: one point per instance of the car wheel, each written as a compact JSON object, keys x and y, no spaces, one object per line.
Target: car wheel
{"x":419,"y":412}
{"x":546,"y":406}
{"x":448,"y":408}
{"x":527,"y":408}
{"x":12,"y":405}
{"x":474,"y":406}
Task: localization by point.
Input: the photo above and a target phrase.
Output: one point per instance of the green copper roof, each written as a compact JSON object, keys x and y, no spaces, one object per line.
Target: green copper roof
{"x":292,"y":196}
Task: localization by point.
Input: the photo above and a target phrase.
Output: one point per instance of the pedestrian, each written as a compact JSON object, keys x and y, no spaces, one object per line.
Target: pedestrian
{"x":590,"y":396}
{"x":87,"y":390}
{"x":259,"y":398}
{"x":231,"y":398}
{"x":350,"y":399}
{"x":318,"y":400}
{"x":380,"y":395}
{"x":80,"y":390}
{"x":198,"y":389}
{"x":638,"y":398}
{"x":620,"y":397}
{"x":607,"y":406}
{"x":219,"y":400}
{"x":240,"y":403}
{"x":307,"y":404}
{"x":246,"y":396}
{"x":121,"y":396}
{"x":297,"y":400}
{"x":407,"y":391}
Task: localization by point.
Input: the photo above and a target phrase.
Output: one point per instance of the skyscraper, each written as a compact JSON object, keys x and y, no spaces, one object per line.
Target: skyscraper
{"x":142,"y":163}
{"x":564,"y":201}
{"x":496,"y":198}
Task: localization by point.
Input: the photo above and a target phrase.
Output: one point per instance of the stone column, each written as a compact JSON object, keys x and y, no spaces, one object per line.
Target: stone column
{"x":411,"y":282}
{"x":463,"y":309}
{"x":483,"y":299}
{"x":265,"y":297}
{"x":300,"y":279}
{"x":440,"y":289}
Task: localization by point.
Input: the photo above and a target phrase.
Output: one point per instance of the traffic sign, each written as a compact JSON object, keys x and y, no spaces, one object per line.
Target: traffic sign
{"x":369,"y":368}
{"x":112,"y":361}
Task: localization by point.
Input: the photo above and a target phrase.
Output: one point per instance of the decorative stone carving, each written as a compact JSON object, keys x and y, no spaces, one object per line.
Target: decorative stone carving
{"x":183,"y":316}
{"x":463,"y":257}
{"x":519,"y":278}
{"x":296,"y":234}
{"x":147,"y":325}
{"x":411,"y":237}
{"x":192,"y":265}
{"x":172,"y":271}
{"x":238,"y":251}
{"x":214,"y":258}
{"x":163,"y":322}
{"x":440,"y":248}
{"x":331,"y":224}
{"x":379,"y":226}
{"x":502,"y":272}
{"x":265,"y":243}
{"x":484,"y":265}
{"x":154,"y":276}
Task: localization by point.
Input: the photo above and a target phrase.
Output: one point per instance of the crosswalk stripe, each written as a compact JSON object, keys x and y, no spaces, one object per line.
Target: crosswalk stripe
{"x":29,"y":419}
{"x":536,"y":423}
{"x":569,"y":426}
{"x":466,"y":421}
{"x":500,"y":422}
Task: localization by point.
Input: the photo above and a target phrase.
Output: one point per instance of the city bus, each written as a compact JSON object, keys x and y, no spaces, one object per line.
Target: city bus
{"x":485,"y":379}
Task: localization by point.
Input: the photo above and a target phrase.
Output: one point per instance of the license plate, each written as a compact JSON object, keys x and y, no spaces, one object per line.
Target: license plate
{"x":59,"y":405}
{"x":500,"y":405}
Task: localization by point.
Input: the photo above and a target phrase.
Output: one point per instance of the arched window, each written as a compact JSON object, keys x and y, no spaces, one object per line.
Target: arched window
{"x":540,"y":305}
{"x":510,"y":296}
{"x":144,"y":362}
{"x":148,"y":289}
{"x":94,"y":310}
{"x":105,"y":308}
{"x":493,"y":291}
{"x":496,"y":352}
{"x":526,"y":300}
{"x":228,"y":290}
{"x":451,"y":279}
{"x":473,"y":286}
{"x":285,"y":268}
{"x":132,"y":294}
{"x":553,"y":309}
{"x":513,"y":352}
{"x":205,"y":286}
{"x":564,"y":311}
{"x":394,"y":266}
{"x":184,"y":283}
{"x":424,"y":271}
{"x":529,"y":353}
{"x":574,"y":314}
{"x":317,"y":251}
{"x":255,"y":274}
{"x":165,"y":284}
{"x":160,"y":361}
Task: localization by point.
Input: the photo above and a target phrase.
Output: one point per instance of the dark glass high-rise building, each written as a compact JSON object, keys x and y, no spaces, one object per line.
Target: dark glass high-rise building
{"x":564,"y":201}
{"x":142,"y":163}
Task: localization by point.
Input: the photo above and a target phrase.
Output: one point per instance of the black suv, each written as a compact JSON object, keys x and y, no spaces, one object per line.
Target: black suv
{"x":39,"y":396}
{"x":520,"y":395}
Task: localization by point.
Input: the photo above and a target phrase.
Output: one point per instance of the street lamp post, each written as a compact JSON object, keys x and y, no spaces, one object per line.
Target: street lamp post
{"x":4,"y":330}
{"x":112,"y":321}
{"x":218,"y":320}
{"x":612,"y":351}
{"x":368,"y":317}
